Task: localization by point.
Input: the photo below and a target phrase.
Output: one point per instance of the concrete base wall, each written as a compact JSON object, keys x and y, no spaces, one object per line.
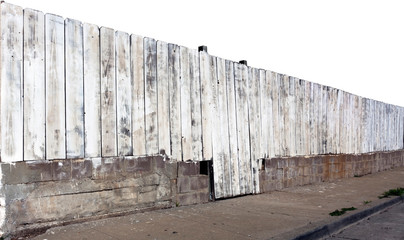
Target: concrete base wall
{"x":279,"y":173}
{"x":39,"y":194}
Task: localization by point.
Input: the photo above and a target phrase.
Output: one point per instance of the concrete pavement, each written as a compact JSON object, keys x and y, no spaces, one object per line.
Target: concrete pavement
{"x":284,"y":214}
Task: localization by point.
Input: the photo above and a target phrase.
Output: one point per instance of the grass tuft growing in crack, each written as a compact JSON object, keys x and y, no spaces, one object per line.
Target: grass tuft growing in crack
{"x":392,"y":192}
{"x":342,"y":211}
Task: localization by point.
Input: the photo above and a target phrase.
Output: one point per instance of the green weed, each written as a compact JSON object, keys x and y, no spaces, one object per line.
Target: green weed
{"x":342,"y":211}
{"x":392,"y":192}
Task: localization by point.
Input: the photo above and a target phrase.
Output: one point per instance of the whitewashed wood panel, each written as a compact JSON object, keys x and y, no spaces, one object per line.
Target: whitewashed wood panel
{"x":221,"y":158}
{"x":124,"y":94}
{"x":276,"y":119}
{"x":217,"y":151}
{"x":299,"y":93}
{"x":330,"y":121}
{"x":138,"y":96}
{"x":34,"y":85}
{"x":11,"y":67}
{"x":74,"y":89}
{"x":150,"y":77}
{"x":55,"y":87}
{"x":175,"y":100}
{"x":306,"y":118}
{"x":283,"y":114}
{"x":266,"y":114}
{"x":185,"y":85}
{"x":92,"y":90}
{"x":108,"y":93}
{"x":207,"y":103}
{"x":231,"y":106}
{"x":314,"y":103}
{"x":196,"y":117}
{"x":339,"y":115}
{"x":163,"y":99}
{"x":358,"y":124}
{"x":323,"y":126}
{"x":254,"y":113}
{"x":292,"y":116}
{"x":241,"y":83}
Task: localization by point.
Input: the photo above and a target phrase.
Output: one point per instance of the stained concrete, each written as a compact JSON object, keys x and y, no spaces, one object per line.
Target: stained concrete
{"x":282,"y":214}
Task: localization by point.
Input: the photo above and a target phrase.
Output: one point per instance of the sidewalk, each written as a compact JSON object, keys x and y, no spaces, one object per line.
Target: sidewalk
{"x":283,"y":214}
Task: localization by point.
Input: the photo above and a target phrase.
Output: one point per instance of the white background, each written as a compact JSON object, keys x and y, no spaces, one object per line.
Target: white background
{"x":353,"y":45}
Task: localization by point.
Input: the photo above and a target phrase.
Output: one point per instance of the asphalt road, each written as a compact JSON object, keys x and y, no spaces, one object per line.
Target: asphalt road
{"x":388,"y":224}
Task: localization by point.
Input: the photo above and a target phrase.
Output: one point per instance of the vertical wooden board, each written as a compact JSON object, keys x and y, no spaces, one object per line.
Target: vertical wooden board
{"x":373,"y":125}
{"x":346,"y":123}
{"x":108,"y":93}
{"x":241,"y":83}
{"x":185,"y":85}
{"x":364,"y":124}
{"x":401,"y":136}
{"x":92,"y":91}
{"x":270,"y":144}
{"x":11,"y":87}
{"x":231,"y":106}
{"x":276,"y":120}
{"x":330,"y":120}
{"x":150,"y":78}
{"x":255,"y":125}
{"x":377,"y":126}
{"x":292,"y":116}
{"x":217,"y":151}
{"x":138,"y":96}
{"x":196,"y":117}
{"x":206,"y":102}
{"x":306,"y":118}
{"x":324,"y":125}
{"x":34,"y":85}
{"x":163,"y":99}
{"x":221,"y":135}
{"x":124,"y":94}
{"x":318,"y":117}
{"x":299,"y":86}
{"x":266,"y":113}
{"x":175,"y":100}
{"x":358,"y":125}
{"x":338,"y":117}
{"x":74,"y":89}
{"x":55,"y":87}
{"x":284,"y":114}
{"x":313,"y":120}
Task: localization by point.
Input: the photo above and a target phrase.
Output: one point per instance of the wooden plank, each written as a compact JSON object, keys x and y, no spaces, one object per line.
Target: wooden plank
{"x":314,"y":117}
{"x":92,"y":91}
{"x":196,"y":116}
{"x":330,"y":121}
{"x":241,"y":83}
{"x":124,"y":94}
{"x":163,"y":99}
{"x":231,"y":105}
{"x":207,"y":103}
{"x":74,"y":89}
{"x":276,"y":119}
{"x":11,"y":106}
{"x":292,"y":116}
{"x":221,"y":150}
{"x":108,"y":93}
{"x":255,"y":125}
{"x":339,"y":115}
{"x":34,"y":85}
{"x":266,"y":114}
{"x":300,"y":131}
{"x":283,"y":114}
{"x":138,"y":96}
{"x":150,"y":77}
{"x":55,"y":87}
{"x":323,"y":126}
{"x":175,"y":100}
{"x":185,"y":85}
{"x":306,"y":118}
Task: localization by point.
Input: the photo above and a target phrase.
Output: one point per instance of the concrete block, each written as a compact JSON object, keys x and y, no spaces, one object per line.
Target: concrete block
{"x":188,"y":169}
{"x":61,"y":170}
{"x":147,"y":197}
{"x":81,"y":169}
{"x":188,"y":199}
{"x":183,"y":184}
{"x":26,"y":172}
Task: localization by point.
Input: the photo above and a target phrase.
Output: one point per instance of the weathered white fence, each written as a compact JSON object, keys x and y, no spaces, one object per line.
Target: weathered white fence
{"x":74,"y":90}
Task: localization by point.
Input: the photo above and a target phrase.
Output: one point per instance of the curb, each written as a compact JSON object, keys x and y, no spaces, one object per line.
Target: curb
{"x":328,"y":229}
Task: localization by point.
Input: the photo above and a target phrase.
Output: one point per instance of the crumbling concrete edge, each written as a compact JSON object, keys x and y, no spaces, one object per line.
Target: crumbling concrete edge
{"x":328,"y":229}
